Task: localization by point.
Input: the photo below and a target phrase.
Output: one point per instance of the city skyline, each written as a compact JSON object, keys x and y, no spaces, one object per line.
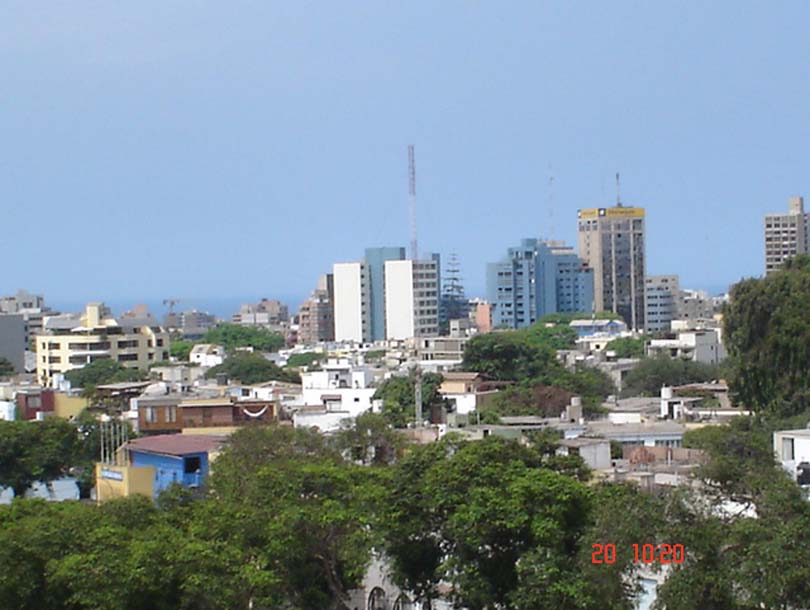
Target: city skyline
{"x":264,"y":144}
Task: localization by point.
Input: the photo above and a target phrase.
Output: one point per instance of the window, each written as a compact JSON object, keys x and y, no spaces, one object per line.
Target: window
{"x":787,"y":449}
{"x":171,"y":414}
{"x":150,"y":415}
{"x":192,"y":465}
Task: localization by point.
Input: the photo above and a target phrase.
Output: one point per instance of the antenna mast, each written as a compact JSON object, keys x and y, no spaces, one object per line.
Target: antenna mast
{"x":618,"y":191}
{"x":550,"y":204}
{"x":412,"y":201}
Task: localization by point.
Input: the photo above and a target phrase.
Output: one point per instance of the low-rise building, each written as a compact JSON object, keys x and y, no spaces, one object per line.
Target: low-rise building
{"x":595,"y":452}
{"x":207,"y":354}
{"x":66,"y":345}
{"x":792,"y":450}
{"x":698,"y":345}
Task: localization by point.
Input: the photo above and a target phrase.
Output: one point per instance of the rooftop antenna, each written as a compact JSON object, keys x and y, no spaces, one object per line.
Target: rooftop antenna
{"x":412,"y":201}
{"x":550,"y":203}
{"x":618,"y":191}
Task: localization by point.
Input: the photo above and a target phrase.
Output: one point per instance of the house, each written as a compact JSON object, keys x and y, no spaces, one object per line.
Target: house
{"x":586,"y":327}
{"x":207,"y":354}
{"x":224,"y":412}
{"x":595,"y":452}
{"x":157,"y":414}
{"x":792,"y":449}
{"x":340,"y":385}
{"x":697,"y":345}
{"x":151,"y":464}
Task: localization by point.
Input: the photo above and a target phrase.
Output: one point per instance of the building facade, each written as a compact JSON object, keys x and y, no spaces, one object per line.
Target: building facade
{"x":412,"y":294}
{"x":786,"y":235}
{"x":63,"y":347}
{"x":661,"y":302}
{"x":535,"y":279}
{"x":13,"y":340}
{"x":316,"y":317}
{"x":612,"y":242}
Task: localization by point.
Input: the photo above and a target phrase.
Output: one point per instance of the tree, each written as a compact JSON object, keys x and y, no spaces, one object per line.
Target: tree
{"x":181,"y":349}
{"x":767,"y":334}
{"x":6,"y":368}
{"x":101,"y":372}
{"x":232,"y":336}
{"x":628,"y":347}
{"x":399,"y":401}
{"x":306,"y":359}
{"x":651,"y":374}
{"x":508,"y":356}
{"x":249,"y":368}
{"x":32,"y":451}
{"x":370,"y":440}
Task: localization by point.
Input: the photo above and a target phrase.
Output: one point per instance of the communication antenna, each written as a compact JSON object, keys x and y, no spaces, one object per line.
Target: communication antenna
{"x":618,"y":191}
{"x":412,"y":201}
{"x":550,"y":203}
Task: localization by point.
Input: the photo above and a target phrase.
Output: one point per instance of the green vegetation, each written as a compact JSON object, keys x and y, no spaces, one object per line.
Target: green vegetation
{"x":180,"y":349}
{"x":249,"y":367}
{"x":652,"y":373}
{"x":375,"y":355}
{"x":767,"y":333}
{"x":399,"y":402}
{"x":102,"y":372}
{"x":628,"y":347}
{"x":6,"y":368}
{"x":232,"y":336}
{"x":305,"y":359}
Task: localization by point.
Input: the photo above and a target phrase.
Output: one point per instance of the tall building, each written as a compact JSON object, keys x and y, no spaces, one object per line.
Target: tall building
{"x":661,"y":296}
{"x":412,"y":298}
{"x":385,"y":296}
{"x":611,"y":241}
{"x":316,"y":318}
{"x":786,"y":235}
{"x":68,"y":343}
{"x":535,"y":279}
{"x":31,"y":307}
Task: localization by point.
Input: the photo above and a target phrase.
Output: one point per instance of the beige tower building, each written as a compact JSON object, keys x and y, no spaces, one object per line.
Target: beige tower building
{"x":611,"y":242}
{"x":786,"y":234}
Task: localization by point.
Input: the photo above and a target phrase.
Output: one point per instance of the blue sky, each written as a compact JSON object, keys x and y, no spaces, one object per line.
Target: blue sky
{"x":209,"y":149}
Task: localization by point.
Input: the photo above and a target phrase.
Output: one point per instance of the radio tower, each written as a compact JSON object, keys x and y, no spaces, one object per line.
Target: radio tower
{"x":417,"y":382}
{"x":412,"y":201}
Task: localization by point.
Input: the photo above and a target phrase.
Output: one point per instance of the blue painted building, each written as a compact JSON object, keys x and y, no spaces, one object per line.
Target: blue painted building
{"x":176,"y":458}
{"x":535,"y":279}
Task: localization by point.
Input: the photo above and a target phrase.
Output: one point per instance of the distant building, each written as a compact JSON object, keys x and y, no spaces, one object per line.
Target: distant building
{"x":611,"y":328}
{"x":32,"y":308}
{"x":535,"y":279}
{"x":661,"y":301}
{"x":612,"y":242}
{"x":792,"y":449}
{"x":71,"y":342}
{"x":482,"y":315}
{"x":13,"y":340}
{"x":786,"y":235}
{"x":385,"y":296}
{"x":696,"y":345}
{"x":192,"y":324}
{"x":316,"y":317}
{"x":696,"y":305}
{"x":267,"y":312}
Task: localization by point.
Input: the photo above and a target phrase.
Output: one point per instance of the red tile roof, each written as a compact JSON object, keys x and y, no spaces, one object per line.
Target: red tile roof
{"x":177,"y":444}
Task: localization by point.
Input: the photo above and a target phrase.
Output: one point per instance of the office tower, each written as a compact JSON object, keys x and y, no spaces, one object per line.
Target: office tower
{"x":661,"y":302}
{"x":535,"y":279}
{"x":351,"y":302}
{"x":412,"y":298}
{"x":375,"y":260}
{"x":611,"y":241}
{"x":786,"y":234}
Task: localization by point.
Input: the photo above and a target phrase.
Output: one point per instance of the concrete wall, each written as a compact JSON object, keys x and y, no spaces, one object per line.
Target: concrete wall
{"x":122,"y":481}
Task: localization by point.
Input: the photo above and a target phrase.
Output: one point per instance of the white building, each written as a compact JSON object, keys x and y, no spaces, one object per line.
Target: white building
{"x":411,"y":299}
{"x":352,"y":302}
{"x":792,"y":449}
{"x":696,"y":345}
{"x":207,"y":354}
{"x":340,"y":386}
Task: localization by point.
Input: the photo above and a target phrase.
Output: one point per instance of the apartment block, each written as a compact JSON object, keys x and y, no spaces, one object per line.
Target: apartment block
{"x":412,"y":294}
{"x":535,"y":279}
{"x":786,"y":235}
{"x":661,"y":302}
{"x":316,"y":317}
{"x":13,"y":340}
{"x":612,"y":242}
{"x":267,"y":312}
{"x":352,"y":302}
{"x":71,"y":342}
{"x":31,"y":307}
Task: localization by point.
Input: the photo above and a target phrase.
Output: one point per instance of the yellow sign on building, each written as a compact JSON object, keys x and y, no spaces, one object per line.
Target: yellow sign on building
{"x":615,"y":212}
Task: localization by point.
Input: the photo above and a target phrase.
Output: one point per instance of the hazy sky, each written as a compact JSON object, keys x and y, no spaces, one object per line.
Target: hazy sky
{"x":202,"y":149}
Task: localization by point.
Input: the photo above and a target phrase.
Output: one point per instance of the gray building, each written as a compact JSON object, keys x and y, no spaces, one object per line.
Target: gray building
{"x":661,"y":296}
{"x":786,"y":235}
{"x":13,"y":340}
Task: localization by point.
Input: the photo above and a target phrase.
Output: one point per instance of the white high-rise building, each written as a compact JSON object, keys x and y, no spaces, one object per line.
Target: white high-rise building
{"x":661,"y":294}
{"x":411,"y":299}
{"x":351,"y":302}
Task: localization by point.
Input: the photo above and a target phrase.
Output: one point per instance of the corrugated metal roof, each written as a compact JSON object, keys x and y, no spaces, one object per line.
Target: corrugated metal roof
{"x":177,"y":444}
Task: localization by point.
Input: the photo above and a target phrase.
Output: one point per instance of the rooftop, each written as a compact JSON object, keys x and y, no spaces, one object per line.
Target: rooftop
{"x":177,"y":444}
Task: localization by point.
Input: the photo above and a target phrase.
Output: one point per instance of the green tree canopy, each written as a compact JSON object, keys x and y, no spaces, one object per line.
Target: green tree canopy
{"x":6,"y":368}
{"x":767,"y":334}
{"x":652,"y":373}
{"x":102,"y":372}
{"x":399,"y":401}
{"x":250,"y":367}
{"x":232,"y":336}
{"x":305,"y":359}
{"x":628,"y":347}
{"x":180,"y":349}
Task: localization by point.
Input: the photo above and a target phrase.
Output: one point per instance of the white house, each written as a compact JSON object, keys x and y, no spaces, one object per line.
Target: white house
{"x":697,"y":345}
{"x":792,"y":449}
{"x":341,"y":386}
{"x":207,"y":354}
